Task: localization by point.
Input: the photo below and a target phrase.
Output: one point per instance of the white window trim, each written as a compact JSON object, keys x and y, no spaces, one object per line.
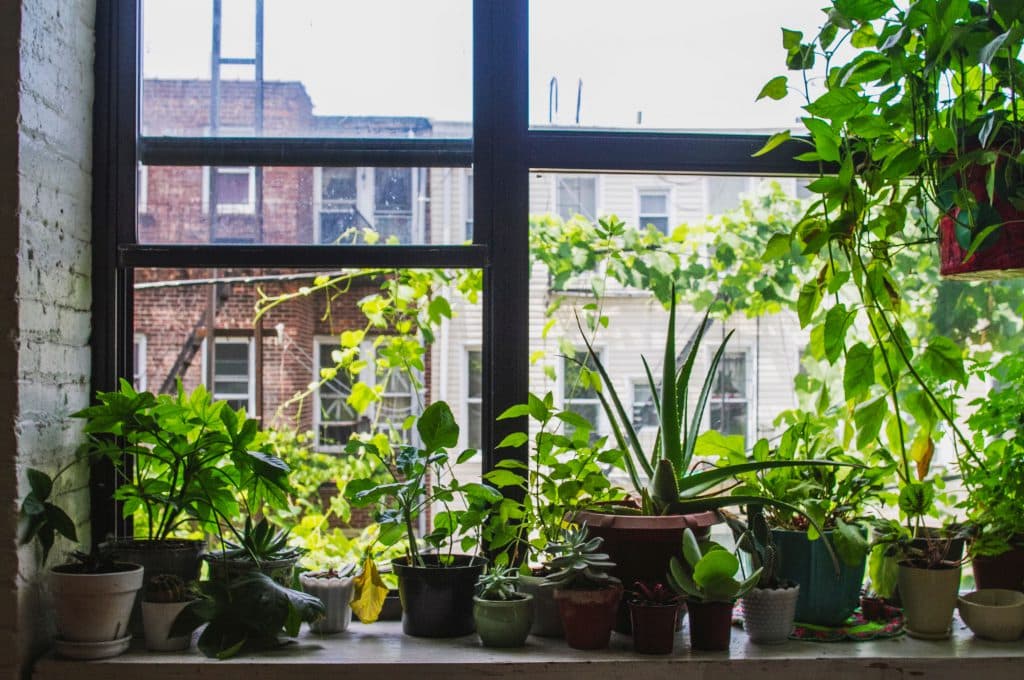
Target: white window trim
{"x":602,"y":354}
{"x":247,"y":208}
{"x":466,"y":214}
{"x":250,"y":408}
{"x":139,"y":369}
{"x":669,"y":195}
{"x":143,"y":189}
{"x":465,"y":399}
{"x":598,"y":187}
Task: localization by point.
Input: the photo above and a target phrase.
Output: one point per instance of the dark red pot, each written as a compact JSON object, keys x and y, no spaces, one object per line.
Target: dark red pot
{"x":1001,"y":571}
{"x":641,"y":546}
{"x":588,"y":615}
{"x":654,"y":627}
{"x":873,"y":608}
{"x":710,"y":625}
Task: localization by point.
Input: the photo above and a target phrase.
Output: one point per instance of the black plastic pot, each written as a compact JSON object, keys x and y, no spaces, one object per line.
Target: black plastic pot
{"x":710,"y":625}
{"x":437,"y":600}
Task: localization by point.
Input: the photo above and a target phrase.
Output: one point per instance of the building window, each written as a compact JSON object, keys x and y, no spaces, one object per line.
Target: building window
{"x":654,"y":210}
{"x":233,"y":373}
{"x":337,"y":212}
{"x":578,"y":397}
{"x":335,"y":419}
{"x":576,"y":196}
{"x":644,"y":413}
{"x":474,"y":397}
{"x":139,"y":362}
{"x":235,"y":190}
{"x":724,"y":193}
{"x":467,"y":204}
{"x":729,"y":408}
{"x":393,"y":204}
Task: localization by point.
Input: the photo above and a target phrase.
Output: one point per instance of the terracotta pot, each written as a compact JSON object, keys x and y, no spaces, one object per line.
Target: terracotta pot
{"x":157,"y":619}
{"x":929,"y":598}
{"x":546,"y":620}
{"x":641,"y":546}
{"x":503,"y":623}
{"x":1005,"y":571}
{"x":710,"y":625}
{"x":336,"y":593}
{"x":654,"y":627}
{"x":588,"y":615}
{"x":437,"y":600}
{"x":768,"y":614}
{"x":94,"y":608}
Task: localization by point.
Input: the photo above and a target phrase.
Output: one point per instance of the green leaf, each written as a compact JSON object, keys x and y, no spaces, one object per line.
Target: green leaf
{"x":837,"y":322}
{"x":774,"y":88}
{"x":791,"y":39}
{"x":514,"y":440}
{"x":916,"y":499}
{"x":943,"y":139}
{"x":61,"y":523}
{"x":773,"y":141}
{"x":715,"y":565}
{"x":826,"y":141}
{"x":40,"y":483}
{"x":863,"y":10}
{"x":943,"y":358}
{"x":504,"y":478}
{"x":868,"y":419}
{"x":437,"y":427}
{"x":859,"y":372}
{"x":439,"y":308}
{"x":517,"y":411}
{"x":837,"y":105}
{"x":850,"y":543}
{"x":807,"y":302}
{"x":777,"y":248}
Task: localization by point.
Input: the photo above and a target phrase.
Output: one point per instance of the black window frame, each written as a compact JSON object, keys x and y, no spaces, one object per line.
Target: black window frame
{"x":502,"y":153}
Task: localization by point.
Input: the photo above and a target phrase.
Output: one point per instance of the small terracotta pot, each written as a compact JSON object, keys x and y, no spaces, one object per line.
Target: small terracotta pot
{"x":588,"y":615}
{"x":710,"y":625}
{"x":654,"y":627}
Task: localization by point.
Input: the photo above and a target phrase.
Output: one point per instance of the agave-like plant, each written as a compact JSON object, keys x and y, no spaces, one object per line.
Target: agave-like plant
{"x":676,"y":485}
{"x":576,"y":562}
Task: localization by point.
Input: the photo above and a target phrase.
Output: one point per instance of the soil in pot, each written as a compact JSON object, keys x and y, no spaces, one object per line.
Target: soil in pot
{"x":546,"y":620}
{"x":437,"y":600}
{"x":588,"y":615}
{"x":827,"y":597}
{"x":1005,"y":571}
{"x":929,"y":598}
{"x":503,"y":623}
{"x":768,"y":614}
{"x":92,"y":609}
{"x":710,"y":625}
{"x":641,"y":546}
{"x":654,"y":627}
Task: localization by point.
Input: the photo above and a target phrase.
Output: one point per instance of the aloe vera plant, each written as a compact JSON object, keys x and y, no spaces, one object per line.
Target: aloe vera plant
{"x":676,"y":485}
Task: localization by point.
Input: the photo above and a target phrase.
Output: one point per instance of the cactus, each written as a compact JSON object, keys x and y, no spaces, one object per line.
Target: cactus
{"x":756,"y":541}
{"x":167,"y":588}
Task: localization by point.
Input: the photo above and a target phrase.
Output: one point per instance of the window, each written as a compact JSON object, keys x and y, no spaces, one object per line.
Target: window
{"x":233,"y":371}
{"x":337,"y":212}
{"x":728,"y":407}
{"x":335,"y":420}
{"x":233,"y":190}
{"x":654,"y":209}
{"x":139,"y":362}
{"x":576,"y":196}
{"x":724,"y":193}
{"x":393,"y":203}
{"x":474,"y":398}
{"x":578,"y":397}
{"x":644,"y":413}
{"x":467,"y":209}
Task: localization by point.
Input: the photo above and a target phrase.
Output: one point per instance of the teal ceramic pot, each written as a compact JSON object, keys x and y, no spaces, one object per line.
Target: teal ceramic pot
{"x":827,"y":598}
{"x":503,"y":623}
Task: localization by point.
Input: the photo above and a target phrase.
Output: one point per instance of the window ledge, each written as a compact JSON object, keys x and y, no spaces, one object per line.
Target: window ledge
{"x":381,"y":650}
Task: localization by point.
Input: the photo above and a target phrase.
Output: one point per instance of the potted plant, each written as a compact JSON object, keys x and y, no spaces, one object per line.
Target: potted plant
{"x":707,"y":579}
{"x":333,"y":587}
{"x":260,"y":546}
{"x":436,"y":588}
{"x":587,"y":594}
{"x":246,"y":613}
{"x":502,"y":615}
{"x":995,"y":482}
{"x":163,"y":598}
{"x":837,"y":497}
{"x":769,"y":608}
{"x":654,"y":617}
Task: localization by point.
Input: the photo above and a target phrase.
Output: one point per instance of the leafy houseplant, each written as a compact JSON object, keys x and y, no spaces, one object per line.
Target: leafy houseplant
{"x":654,"y":614}
{"x":769,"y":608}
{"x":587,"y":594}
{"x":247,"y":612}
{"x":503,"y":616}
{"x":436,"y":588}
{"x":707,"y":579}
{"x":260,"y":546}
{"x":163,"y":598}
{"x":334,"y":589}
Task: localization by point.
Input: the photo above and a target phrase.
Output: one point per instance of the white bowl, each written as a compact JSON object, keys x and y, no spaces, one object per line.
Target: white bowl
{"x":993,"y":613}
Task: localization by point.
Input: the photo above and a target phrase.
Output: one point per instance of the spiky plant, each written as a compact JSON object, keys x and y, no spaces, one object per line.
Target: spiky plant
{"x":167,"y":588}
{"x":657,"y":595}
{"x":498,"y":583}
{"x":576,"y":562}
{"x":756,"y":541}
{"x":261,"y":543}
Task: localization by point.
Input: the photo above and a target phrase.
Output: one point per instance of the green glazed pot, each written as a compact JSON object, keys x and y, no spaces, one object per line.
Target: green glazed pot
{"x":827,"y":598}
{"x":503,"y":623}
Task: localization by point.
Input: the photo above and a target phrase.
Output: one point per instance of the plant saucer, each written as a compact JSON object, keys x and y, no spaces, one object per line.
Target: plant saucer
{"x":72,"y":649}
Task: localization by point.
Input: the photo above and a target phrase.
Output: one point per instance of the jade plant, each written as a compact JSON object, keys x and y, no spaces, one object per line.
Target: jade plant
{"x":709,"y":574}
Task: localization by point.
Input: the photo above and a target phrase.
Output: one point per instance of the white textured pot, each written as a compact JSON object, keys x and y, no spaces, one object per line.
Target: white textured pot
{"x":157,"y":619}
{"x":336,"y":594}
{"x":93,"y":607}
{"x":768,"y":614}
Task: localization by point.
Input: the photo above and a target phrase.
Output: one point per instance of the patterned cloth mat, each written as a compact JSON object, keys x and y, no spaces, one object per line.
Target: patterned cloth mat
{"x":857,"y":627}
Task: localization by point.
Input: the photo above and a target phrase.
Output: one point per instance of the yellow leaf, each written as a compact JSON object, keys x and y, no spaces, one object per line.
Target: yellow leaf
{"x":368,"y":593}
{"x":921,"y":451}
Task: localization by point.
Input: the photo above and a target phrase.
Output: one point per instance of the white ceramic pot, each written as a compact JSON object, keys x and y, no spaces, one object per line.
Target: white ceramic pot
{"x":768,"y":614}
{"x":336,"y":594}
{"x":93,"y":608}
{"x":157,"y":619}
{"x":994,"y":613}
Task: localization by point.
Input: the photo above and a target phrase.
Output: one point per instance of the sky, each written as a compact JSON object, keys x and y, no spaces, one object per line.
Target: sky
{"x":682,"y":63}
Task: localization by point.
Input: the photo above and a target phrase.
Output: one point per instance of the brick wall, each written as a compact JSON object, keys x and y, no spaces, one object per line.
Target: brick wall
{"x":46,"y":92}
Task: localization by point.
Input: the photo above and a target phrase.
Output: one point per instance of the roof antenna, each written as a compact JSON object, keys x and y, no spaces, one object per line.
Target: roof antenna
{"x":639,"y":118}
{"x":552,"y":100}
{"x":579,"y":99}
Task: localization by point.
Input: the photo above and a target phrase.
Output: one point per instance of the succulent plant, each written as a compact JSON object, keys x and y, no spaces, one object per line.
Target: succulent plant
{"x":260,"y":543}
{"x":755,"y":539}
{"x":498,"y":583}
{"x":575,"y":562}
{"x":708,"y":575}
{"x":167,"y":588}
{"x":657,"y":594}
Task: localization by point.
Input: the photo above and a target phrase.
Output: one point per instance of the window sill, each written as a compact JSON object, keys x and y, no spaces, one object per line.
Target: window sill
{"x":380,"y":650}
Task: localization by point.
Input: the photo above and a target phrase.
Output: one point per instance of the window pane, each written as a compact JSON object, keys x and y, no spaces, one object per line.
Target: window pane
{"x":725,"y":193}
{"x":577,"y":196}
{"x":300,"y":205}
{"x":652,"y":64}
{"x":653,"y":203}
{"x":386,"y":68}
{"x":475,"y":389}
